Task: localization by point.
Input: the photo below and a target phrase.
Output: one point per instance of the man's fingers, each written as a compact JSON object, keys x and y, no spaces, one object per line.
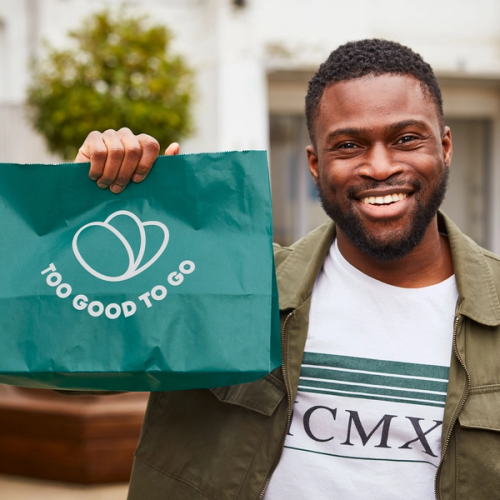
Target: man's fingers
{"x":173,"y":149}
{"x":93,"y":150}
{"x":114,"y":158}
{"x":132,"y":156}
{"x":150,"y":149}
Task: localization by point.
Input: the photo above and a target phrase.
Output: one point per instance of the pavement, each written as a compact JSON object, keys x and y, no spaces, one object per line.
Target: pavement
{"x":21,"y":488}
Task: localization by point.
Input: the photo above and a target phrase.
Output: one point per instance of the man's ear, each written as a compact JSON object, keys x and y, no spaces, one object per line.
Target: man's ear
{"x":447,"y":146}
{"x":312,"y":161}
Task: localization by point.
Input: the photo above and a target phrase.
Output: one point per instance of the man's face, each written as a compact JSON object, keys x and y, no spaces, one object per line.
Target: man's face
{"x":380,"y":162}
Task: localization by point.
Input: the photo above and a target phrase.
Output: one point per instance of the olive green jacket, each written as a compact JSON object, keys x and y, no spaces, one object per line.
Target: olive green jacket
{"x":224,"y":443}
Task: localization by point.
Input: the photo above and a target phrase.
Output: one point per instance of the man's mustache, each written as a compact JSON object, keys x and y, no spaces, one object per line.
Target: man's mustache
{"x":414,"y":184}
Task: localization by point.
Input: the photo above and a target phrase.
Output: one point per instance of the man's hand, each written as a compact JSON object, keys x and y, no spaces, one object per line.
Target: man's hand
{"x":116,"y":157}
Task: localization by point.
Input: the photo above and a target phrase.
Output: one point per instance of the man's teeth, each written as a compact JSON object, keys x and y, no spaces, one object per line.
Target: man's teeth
{"x":384,"y":200}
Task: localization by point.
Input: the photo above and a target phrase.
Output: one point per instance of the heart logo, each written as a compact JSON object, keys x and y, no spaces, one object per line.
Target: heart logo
{"x":134,"y":267}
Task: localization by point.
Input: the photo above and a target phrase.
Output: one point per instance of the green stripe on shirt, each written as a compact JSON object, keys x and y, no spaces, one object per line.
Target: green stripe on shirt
{"x":375,"y":365}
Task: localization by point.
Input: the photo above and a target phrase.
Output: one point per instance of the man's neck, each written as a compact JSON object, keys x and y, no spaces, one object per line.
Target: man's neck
{"x":429,"y":263}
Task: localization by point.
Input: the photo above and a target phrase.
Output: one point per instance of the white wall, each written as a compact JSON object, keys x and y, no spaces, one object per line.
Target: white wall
{"x":233,"y":49}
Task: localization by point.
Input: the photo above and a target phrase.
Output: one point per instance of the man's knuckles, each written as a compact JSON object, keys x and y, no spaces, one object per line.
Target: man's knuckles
{"x":125,"y":131}
{"x":116,"y":153}
{"x":94,"y":136}
{"x":134,"y":151}
{"x":98,"y":154}
{"x":149,"y":143}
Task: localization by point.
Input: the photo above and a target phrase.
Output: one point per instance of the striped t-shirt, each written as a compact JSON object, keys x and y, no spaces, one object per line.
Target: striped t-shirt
{"x":367,"y":419}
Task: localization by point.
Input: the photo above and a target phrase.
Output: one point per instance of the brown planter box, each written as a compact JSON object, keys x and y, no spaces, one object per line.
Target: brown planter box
{"x":84,"y":439}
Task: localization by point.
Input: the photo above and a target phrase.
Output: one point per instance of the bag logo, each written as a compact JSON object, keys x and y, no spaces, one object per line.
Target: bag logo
{"x":129,"y":307}
{"x":134,"y":267}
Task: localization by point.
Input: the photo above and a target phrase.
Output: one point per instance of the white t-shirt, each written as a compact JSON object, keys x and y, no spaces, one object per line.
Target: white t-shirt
{"x":367,"y":420}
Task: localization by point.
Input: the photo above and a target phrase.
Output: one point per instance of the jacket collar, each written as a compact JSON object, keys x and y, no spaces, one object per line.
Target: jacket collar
{"x":296,"y":276}
{"x":478,"y":298}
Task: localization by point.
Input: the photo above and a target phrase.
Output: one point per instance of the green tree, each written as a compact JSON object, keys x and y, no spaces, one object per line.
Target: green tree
{"x":119,"y":72}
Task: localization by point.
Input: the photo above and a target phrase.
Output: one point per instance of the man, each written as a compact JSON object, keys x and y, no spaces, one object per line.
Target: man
{"x":390,"y":385}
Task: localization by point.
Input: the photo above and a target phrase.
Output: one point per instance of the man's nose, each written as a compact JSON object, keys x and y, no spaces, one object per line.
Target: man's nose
{"x":380,"y":163}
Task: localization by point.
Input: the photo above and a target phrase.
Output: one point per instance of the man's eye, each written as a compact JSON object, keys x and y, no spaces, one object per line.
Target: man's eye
{"x":406,"y":138}
{"x":348,"y":145}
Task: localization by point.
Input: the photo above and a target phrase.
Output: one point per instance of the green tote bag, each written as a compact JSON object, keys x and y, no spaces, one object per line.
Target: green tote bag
{"x":168,"y":285}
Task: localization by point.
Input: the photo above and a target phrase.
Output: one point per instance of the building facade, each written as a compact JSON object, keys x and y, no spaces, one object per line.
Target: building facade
{"x":253,"y":59}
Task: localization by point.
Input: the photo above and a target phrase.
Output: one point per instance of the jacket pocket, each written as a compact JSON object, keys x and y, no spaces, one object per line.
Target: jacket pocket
{"x":262,"y":396}
{"x":478,"y":445}
{"x":221,"y":442}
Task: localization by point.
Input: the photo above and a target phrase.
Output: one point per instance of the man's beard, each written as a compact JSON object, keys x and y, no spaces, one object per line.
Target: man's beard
{"x":392,"y":249}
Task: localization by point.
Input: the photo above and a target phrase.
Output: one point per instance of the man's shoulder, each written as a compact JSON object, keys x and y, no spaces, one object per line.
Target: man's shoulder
{"x":477,"y":273}
{"x":490,"y":255}
{"x":468,"y":256}
{"x":478,"y":280}
{"x":280,"y":254}
{"x":493,"y":262}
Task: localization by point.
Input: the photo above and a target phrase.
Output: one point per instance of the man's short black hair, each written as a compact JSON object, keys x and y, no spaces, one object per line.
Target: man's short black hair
{"x":370,"y":57}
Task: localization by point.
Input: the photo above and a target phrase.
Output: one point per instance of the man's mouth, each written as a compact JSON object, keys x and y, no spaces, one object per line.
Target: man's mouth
{"x":384,"y":200}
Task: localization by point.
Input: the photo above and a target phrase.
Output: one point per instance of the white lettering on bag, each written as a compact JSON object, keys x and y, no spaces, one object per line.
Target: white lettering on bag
{"x":80,"y":302}
{"x":113,"y":311}
{"x":129,"y":308}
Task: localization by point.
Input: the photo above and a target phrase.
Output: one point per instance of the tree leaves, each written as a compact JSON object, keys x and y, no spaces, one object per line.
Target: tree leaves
{"x":118,"y":72}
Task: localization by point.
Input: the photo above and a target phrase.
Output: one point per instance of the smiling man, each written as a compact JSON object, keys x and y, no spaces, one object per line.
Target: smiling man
{"x":372,"y":388}
{"x":390,"y":384}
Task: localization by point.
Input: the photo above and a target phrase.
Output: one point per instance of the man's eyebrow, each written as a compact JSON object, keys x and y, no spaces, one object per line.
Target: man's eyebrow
{"x":396,"y":127}
{"x":353,"y":132}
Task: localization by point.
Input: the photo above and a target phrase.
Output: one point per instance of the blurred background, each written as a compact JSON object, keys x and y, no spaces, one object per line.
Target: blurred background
{"x":233,"y":77}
